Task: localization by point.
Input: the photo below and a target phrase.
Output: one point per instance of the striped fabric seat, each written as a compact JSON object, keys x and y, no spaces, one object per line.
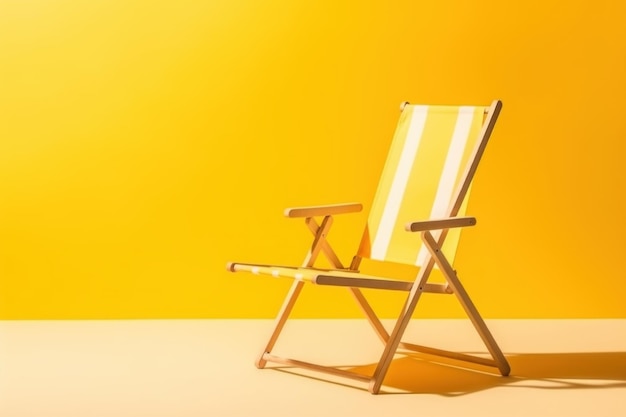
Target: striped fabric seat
{"x":431,"y":146}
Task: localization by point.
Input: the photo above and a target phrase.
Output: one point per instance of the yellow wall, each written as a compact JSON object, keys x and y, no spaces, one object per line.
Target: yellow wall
{"x":145,"y":143}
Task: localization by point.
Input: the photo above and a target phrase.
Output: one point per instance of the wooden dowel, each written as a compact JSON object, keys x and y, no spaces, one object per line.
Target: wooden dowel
{"x":315,"y":367}
{"x":436,"y":288}
{"x":382,"y":284}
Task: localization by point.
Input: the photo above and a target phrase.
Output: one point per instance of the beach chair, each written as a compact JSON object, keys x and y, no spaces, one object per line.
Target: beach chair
{"x":415,"y":218}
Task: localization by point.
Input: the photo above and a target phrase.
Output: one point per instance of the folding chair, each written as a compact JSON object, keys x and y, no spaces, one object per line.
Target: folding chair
{"x":433,"y":157}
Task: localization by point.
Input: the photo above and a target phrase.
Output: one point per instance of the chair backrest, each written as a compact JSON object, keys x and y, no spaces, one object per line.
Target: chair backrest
{"x":427,"y":175}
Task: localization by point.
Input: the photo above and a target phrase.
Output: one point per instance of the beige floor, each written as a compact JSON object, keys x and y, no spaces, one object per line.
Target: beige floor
{"x":205,"y":368}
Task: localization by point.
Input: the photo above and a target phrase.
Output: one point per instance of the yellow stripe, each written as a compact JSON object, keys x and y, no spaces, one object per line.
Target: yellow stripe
{"x":423,"y":182}
{"x":452,"y":240}
{"x":387,"y":176}
{"x":472,"y":141}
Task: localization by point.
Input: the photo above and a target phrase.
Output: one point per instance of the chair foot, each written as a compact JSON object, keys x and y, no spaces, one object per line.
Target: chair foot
{"x":505,"y":369}
{"x":374,"y":387}
{"x":260,"y":362}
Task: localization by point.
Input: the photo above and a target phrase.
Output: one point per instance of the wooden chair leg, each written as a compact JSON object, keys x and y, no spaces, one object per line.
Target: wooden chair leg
{"x":370,"y":314}
{"x":467,"y":303}
{"x":398,"y":331}
{"x":319,"y":243}
{"x":281,"y":319}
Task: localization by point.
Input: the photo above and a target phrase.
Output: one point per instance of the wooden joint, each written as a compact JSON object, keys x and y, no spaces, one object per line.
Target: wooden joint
{"x":436,"y":288}
{"x":315,"y":367}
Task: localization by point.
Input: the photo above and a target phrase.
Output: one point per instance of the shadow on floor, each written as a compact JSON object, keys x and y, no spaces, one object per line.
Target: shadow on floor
{"x":420,"y":374}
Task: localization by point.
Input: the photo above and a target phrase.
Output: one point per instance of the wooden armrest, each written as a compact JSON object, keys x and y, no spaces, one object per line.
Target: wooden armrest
{"x":326,"y":210}
{"x":439,"y":224}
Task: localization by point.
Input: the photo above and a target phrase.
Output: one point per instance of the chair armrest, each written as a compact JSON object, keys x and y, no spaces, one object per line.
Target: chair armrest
{"x":439,"y":224}
{"x":326,"y":210}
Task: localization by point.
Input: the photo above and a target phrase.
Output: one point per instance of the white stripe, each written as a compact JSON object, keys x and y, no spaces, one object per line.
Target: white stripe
{"x":450,"y":170}
{"x":399,"y":183}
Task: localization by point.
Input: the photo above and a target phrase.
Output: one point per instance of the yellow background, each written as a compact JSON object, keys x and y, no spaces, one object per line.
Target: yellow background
{"x":145,"y":143}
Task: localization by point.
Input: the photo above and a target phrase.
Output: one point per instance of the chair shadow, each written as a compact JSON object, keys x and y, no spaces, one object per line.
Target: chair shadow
{"x":592,"y":370}
{"x":420,"y":374}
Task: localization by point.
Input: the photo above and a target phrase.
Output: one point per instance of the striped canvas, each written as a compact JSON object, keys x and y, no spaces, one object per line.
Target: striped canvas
{"x":431,"y":147}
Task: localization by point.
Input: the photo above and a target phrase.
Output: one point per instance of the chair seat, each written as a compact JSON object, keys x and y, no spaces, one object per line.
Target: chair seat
{"x":336,"y":277}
